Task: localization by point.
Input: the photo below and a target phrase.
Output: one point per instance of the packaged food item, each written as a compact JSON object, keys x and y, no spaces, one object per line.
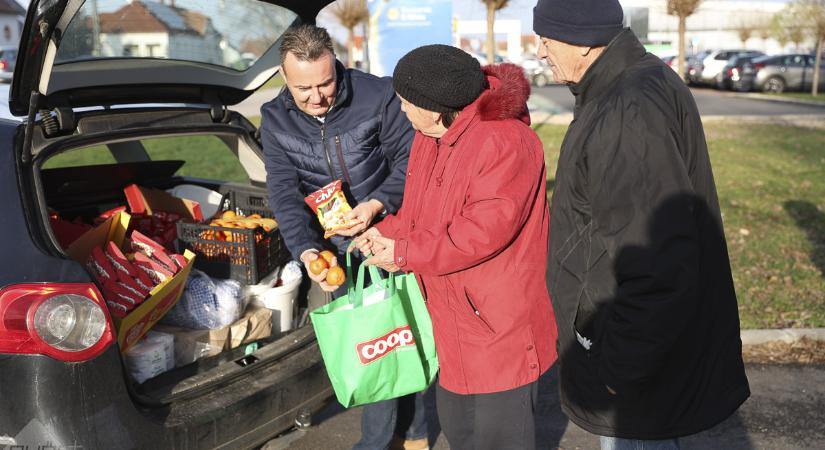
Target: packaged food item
{"x":100,"y":266}
{"x":330,"y":205}
{"x":156,"y":271}
{"x":143,"y":244}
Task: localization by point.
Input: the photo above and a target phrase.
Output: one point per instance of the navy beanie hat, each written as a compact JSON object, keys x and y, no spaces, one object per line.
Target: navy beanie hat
{"x":439,"y":78}
{"x":590,"y":23}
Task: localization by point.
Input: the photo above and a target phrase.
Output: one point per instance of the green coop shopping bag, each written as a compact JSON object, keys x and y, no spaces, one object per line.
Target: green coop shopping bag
{"x":377,"y":342}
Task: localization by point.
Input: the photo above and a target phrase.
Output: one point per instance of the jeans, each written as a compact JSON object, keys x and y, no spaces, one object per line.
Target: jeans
{"x":404,"y":416}
{"x":613,"y":443}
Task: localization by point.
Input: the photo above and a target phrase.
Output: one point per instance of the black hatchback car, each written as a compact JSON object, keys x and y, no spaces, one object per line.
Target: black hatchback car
{"x":112,"y":93}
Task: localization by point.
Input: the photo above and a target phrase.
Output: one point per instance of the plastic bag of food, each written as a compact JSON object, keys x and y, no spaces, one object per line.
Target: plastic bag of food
{"x":330,"y":205}
{"x":207,"y":303}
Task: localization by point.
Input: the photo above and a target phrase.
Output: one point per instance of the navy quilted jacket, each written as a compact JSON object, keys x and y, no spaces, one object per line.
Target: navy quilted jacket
{"x":364,"y":141}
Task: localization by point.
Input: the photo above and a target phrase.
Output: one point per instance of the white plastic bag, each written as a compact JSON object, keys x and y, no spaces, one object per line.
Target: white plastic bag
{"x":151,"y":356}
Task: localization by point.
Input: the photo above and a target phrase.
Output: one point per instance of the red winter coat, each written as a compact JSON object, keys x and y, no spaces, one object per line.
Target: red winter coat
{"x":473,"y":227}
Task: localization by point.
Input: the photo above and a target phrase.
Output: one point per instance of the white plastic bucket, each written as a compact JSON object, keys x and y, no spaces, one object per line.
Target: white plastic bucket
{"x":281,"y":300}
{"x":208,"y":199}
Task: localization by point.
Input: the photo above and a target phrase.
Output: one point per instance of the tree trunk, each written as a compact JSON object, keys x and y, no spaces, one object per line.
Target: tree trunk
{"x":491,"y":36}
{"x":351,"y":48}
{"x":817,"y":61}
{"x":681,"y":64}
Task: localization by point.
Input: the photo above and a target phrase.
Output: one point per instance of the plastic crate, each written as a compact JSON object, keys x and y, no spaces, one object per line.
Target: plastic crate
{"x":245,"y":199}
{"x":246,"y":255}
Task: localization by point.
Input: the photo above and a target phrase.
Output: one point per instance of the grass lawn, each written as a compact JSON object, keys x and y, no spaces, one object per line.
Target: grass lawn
{"x":771,"y":184}
{"x":803,"y":96}
{"x":273,"y":83}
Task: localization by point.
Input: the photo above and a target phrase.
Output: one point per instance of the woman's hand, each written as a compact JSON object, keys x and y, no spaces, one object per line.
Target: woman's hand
{"x":383,"y":254}
{"x":364,"y":244}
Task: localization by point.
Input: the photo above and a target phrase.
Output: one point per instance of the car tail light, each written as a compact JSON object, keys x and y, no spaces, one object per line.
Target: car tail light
{"x":757,"y":67}
{"x":730,"y":72}
{"x":66,"y":321}
{"x":3,"y":64}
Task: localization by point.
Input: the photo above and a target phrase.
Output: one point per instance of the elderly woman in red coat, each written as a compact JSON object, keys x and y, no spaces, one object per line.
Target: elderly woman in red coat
{"x":473,"y":227}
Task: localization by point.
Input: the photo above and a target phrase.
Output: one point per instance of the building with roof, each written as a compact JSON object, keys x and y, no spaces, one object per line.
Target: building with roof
{"x":145,"y":28}
{"x":11,"y":22}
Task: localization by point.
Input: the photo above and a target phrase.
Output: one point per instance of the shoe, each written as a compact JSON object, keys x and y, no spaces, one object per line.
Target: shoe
{"x":399,"y":443}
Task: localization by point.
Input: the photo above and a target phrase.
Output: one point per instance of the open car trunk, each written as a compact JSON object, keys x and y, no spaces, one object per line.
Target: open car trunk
{"x":81,"y":177}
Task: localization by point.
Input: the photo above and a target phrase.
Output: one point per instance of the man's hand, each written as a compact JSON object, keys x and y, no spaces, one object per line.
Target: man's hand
{"x":311,"y":255}
{"x":383,"y":254}
{"x":364,"y":213}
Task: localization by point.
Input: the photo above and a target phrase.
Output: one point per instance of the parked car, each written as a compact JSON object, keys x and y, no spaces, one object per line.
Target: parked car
{"x":8,"y":58}
{"x":693,"y":67}
{"x":538,"y":72}
{"x":712,"y":64}
{"x":733,"y":67}
{"x":780,"y":73}
{"x":89,"y":123}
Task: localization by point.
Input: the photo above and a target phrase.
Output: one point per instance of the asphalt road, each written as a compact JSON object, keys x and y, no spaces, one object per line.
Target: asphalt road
{"x":786,"y":411}
{"x":711,"y":102}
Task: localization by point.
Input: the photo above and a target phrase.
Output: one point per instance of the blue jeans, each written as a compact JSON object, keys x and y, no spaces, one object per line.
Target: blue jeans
{"x":613,"y":443}
{"x":378,"y":421}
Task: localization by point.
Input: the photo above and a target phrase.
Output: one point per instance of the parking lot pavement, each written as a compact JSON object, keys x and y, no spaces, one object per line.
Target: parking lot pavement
{"x":786,"y":411}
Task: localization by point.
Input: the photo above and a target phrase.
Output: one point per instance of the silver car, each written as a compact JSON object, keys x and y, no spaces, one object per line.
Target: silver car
{"x":793,"y":72}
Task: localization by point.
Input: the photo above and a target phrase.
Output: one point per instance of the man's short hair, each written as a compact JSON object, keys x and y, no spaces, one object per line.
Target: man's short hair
{"x":306,"y":42}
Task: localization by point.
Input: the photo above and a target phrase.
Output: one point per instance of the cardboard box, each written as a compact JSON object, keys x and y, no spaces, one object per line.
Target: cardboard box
{"x":143,"y":200}
{"x":191,"y":345}
{"x":161,"y":298}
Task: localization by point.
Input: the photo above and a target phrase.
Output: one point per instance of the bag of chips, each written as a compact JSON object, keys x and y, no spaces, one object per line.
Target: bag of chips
{"x":330,"y":204}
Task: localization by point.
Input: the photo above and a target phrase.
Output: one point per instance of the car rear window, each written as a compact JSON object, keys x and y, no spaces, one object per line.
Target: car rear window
{"x":232,"y":34}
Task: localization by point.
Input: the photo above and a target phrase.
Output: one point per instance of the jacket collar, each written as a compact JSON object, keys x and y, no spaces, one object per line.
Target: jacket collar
{"x":622,"y":52}
{"x":343,"y":92}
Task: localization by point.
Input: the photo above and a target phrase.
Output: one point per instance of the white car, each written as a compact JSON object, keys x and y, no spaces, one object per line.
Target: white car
{"x":713,"y":64}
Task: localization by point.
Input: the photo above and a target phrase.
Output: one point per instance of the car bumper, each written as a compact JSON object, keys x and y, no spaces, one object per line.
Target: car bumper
{"x":87,"y":406}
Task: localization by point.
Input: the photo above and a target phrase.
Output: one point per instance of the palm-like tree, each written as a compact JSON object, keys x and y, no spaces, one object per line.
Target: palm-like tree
{"x":350,"y":14}
{"x":682,"y":9}
{"x":492,"y":7}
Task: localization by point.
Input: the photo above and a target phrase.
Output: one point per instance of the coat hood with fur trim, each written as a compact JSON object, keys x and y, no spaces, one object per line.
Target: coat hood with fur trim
{"x":507,"y":96}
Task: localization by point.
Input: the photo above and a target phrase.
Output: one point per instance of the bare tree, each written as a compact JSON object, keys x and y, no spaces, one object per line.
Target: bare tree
{"x":797,"y":36}
{"x":350,"y":14}
{"x":745,"y":30}
{"x":682,"y":9}
{"x":492,"y":7}
{"x":811,"y":18}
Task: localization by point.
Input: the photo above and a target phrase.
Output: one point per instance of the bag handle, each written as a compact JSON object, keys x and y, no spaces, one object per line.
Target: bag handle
{"x":356,"y":292}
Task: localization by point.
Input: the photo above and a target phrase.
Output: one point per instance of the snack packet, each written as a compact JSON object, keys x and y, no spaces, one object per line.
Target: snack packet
{"x":330,"y":204}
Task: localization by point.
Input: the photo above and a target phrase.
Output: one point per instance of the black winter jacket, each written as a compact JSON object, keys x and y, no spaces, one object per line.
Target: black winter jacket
{"x":364,"y":141}
{"x":638,"y":261}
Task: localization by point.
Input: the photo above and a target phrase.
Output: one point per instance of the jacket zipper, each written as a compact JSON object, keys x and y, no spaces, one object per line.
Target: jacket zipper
{"x":326,"y":151}
{"x":341,"y":160}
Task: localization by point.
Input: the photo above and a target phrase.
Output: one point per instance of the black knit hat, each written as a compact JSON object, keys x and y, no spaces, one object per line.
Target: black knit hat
{"x":590,"y":23}
{"x":438,"y":78}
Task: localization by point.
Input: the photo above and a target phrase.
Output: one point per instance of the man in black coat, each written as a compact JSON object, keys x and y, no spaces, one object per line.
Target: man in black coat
{"x":638,"y":270}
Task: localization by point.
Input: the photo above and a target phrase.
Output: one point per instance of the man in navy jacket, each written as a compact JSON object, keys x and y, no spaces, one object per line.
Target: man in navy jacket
{"x":333,"y":123}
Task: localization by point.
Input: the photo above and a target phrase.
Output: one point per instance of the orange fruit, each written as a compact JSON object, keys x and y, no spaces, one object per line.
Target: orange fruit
{"x":335,"y":276}
{"x":327,"y":256}
{"x":316,"y":266}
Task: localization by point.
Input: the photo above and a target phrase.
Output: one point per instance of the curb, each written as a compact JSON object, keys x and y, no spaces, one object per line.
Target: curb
{"x":800,"y":120}
{"x":773,"y":98}
{"x":786,"y":335}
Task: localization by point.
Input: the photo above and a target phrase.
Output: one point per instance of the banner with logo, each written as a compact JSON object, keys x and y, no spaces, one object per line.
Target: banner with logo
{"x":377,"y":342}
{"x":398,"y":26}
